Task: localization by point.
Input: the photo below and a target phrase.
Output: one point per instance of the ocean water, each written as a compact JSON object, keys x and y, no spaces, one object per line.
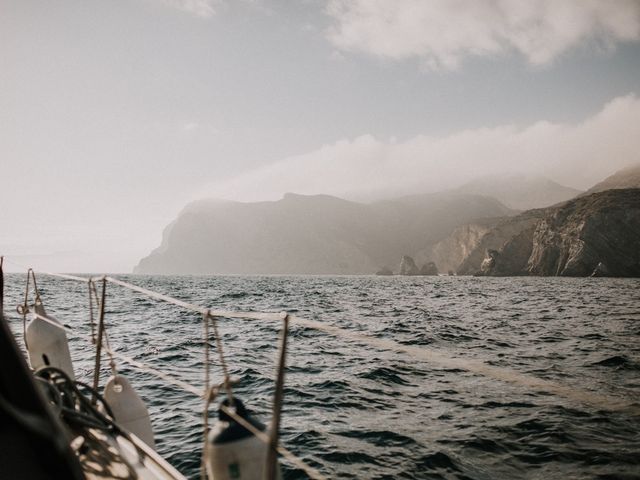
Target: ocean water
{"x":354,"y":411}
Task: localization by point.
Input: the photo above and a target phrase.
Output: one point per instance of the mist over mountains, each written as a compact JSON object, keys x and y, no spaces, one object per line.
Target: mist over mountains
{"x":322,"y":234}
{"x":628,"y":177}
{"x":316,"y":234}
{"x":519,"y":191}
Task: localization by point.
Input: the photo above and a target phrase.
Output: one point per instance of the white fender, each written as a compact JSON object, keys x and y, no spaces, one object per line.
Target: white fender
{"x":47,"y":344}
{"x":128,"y":408}
{"x":232,"y":452}
{"x":240,"y":460}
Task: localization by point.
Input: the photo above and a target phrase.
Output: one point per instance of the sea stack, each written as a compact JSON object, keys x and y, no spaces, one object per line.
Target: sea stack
{"x":429,"y":268}
{"x":408,"y":266}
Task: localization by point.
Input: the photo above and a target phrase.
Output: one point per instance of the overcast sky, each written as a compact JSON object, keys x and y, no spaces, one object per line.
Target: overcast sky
{"x":115,"y":114}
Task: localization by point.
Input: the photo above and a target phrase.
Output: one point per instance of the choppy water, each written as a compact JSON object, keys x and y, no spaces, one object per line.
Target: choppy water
{"x":355,"y":412}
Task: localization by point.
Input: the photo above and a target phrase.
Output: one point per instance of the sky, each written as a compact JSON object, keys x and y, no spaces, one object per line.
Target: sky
{"x":116,"y":114}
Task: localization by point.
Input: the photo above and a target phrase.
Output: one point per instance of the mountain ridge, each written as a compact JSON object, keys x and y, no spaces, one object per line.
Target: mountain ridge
{"x":315,"y":234}
{"x":521,"y":192}
{"x":459,"y":231}
{"x":628,"y":177}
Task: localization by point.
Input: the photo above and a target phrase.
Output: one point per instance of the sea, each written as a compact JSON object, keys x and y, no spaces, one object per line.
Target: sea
{"x":354,"y":410}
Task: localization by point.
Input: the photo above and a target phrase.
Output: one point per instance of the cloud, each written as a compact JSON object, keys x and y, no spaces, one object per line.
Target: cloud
{"x":576,"y":155}
{"x":199,"y":8}
{"x":443,"y":32}
{"x":190,"y":126}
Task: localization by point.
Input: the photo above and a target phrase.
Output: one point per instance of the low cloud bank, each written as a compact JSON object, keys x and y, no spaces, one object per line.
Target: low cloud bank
{"x":365,"y":168}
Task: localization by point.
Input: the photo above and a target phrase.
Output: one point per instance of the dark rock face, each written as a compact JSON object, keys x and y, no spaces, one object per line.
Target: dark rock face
{"x":451,"y":252}
{"x":601,"y":271}
{"x":512,"y":258}
{"x":429,"y":268}
{"x":496,"y":238}
{"x":489,"y":262}
{"x":595,"y":235}
{"x":408,"y":266}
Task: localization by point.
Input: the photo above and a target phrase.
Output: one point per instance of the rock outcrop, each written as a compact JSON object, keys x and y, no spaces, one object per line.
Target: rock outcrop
{"x":489,"y":262}
{"x":512,"y":257}
{"x":495,"y":238}
{"x":594,"y":235}
{"x":408,"y":266}
{"x":451,"y":252}
{"x":429,"y":268}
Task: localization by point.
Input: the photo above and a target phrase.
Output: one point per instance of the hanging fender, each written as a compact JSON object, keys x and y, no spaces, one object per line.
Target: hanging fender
{"x":232,"y":451}
{"x":47,"y":344}
{"x":128,"y":408}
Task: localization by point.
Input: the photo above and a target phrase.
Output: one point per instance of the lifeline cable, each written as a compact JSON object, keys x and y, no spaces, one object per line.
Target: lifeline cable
{"x":207,"y":396}
{"x":223,"y":363}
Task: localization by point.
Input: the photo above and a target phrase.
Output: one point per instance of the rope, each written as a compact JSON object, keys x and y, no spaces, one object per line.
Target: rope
{"x":72,"y":405}
{"x":223,"y":363}
{"x":158,"y":373}
{"x":23,"y":309}
{"x":94,"y":291}
{"x":278,"y":398}
{"x":196,"y":308}
{"x":207,"y":395}
{"x":93,"y":294}
{"x":112,"y":362}
{"x":96,"y":368}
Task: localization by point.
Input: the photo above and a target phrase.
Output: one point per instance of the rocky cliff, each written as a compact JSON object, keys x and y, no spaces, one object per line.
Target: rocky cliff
{"x":449,"y":253}
{"x":495,"y":238}
{"x":408,"y":266}
{"x":597,"y":234}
